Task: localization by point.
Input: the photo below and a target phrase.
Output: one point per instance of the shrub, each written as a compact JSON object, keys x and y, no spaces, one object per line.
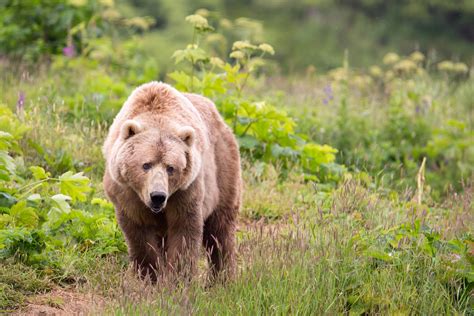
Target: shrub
{"x":37,"y":217}
{"x":31,"y":29}
{"x":264,"y":131}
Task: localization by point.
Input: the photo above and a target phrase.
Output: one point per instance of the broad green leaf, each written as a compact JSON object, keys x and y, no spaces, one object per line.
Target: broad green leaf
{"x":192,"y":53}
{"x":248,"y":142}
{"x":74,"y":185}
{"x":183,"y":81}
{"x":4,"y":174}
{"x":102,"y":203}
{"x":61,"y":202}
{"x":10,"y":124}
{"x":5,"y":140}
{"x":39,"y":173}
{"x":279,"y":151}
{"x":34,"y":197}
{"x":314,"y":155}
{"x":7,"y":165}
{"x":6,"y":200}
{"x":179,"y":56}
{"x":24,"y":216}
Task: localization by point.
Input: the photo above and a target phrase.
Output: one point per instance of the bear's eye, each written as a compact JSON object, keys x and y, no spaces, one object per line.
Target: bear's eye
{"x":146,"y":166}
{"x":170,"y":170}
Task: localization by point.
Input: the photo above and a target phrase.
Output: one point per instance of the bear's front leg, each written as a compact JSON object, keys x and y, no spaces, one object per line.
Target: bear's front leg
{"x":145,"y":247}
{"x":185,"y":229}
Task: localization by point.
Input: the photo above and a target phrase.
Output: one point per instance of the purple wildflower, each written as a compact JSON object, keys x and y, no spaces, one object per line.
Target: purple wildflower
{"x":325,"y":101}
{"x":69,"y":51}
{"x":328,"y":91}
{"x":20,"y":104}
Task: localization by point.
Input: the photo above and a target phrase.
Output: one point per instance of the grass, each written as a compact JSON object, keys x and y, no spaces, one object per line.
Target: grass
{"x":362,"y":248}
{"x":18,"y":282}
{"x":305,"y":262}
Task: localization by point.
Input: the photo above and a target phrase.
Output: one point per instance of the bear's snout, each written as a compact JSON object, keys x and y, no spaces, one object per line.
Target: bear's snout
{"x":157,"y":198}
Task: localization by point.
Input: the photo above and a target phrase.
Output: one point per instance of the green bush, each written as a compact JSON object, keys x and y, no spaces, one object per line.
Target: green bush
{"x":37,"y":218}
{"x":264,"y":131}
{"x":385,"y":120}
{"x":30,"y":29}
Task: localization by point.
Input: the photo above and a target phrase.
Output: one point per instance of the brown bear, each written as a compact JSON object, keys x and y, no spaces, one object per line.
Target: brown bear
{"x":173,"y":175}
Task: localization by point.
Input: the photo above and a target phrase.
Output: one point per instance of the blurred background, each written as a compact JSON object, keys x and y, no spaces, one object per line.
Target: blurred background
{"x":307,"y":33}
{"x":316,"y":32}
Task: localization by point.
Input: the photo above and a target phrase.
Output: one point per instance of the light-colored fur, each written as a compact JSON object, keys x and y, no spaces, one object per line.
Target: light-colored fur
{"x":163,"y":127}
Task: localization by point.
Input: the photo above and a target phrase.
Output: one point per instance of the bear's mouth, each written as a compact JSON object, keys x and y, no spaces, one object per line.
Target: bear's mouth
{"x":156,"y":210}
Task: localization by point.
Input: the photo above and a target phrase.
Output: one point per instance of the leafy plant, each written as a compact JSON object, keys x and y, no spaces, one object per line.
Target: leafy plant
{"x":450,"y":151}
{"x":37,"y":214}
{"x":32,"y":29}
{"x":264,"y":131}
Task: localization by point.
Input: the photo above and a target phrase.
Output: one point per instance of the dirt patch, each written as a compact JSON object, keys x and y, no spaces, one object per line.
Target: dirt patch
{"x":62,"y":302}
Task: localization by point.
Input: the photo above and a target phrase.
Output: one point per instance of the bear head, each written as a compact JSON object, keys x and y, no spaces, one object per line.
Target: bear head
{"x":154,"y":163}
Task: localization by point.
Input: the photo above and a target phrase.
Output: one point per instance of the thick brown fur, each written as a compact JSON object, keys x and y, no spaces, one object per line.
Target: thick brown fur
{"x":164,"y":128}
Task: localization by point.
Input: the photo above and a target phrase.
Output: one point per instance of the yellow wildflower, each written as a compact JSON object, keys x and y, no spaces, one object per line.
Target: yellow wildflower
{"x":237,"y":54}
{"x":139,"y":22}
{"x":197,"y":21}
{"x":111,"y":14}
{"x":240,"y":45}
{"x":216,"y":61}
{"x":264,"y":47}
{"x":405,"y":65}
{"x":225,"y":23}
{"x":203,"y":12}
{"x":389,"y":75}
{"x":460,"y":68}
{"x":390,"y":58}
{"x":446,"y":65}
{"x":338,"y":74}
{"x":376,"y":71}
{"x":417,"y":57}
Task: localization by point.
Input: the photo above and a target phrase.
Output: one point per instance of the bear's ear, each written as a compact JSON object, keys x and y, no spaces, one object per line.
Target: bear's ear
{"x":187,"y":135}
{"x":130,"y":128}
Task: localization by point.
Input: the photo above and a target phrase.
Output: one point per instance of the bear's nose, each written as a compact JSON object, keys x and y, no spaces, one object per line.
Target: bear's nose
{"x":157,"y":198}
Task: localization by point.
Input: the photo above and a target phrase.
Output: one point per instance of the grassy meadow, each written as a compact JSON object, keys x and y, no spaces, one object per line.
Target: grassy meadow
{"x":358,"y":193}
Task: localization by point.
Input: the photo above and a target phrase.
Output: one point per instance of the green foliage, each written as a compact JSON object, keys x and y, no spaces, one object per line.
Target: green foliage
{"x":37,"y":214}
{"x":387,"y":118}
{"x":264,"y":131}
{"x":32,"y":28}
{"x":93,"y":88}
{"x":314,"y":34}
{"x":396,"y":244}
{"x":390,"y":245}
{"x":451,"y":151}
{"x":435,"y":13}
{"x":74,"y":185}
{"x":11,"y":130}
